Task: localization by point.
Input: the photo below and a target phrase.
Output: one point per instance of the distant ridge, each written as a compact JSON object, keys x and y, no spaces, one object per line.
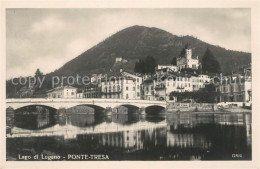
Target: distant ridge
{"x":137,"y":42}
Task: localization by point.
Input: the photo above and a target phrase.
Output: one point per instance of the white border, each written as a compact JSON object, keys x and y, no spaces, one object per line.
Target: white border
{"x":255,"y":45}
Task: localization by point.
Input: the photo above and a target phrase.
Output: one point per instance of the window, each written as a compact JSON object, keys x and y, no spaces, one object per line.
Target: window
{"x":72,"y":93}
{"x":137,"y":79}
{"x":138,"y":87}
{"x":138,"y":94}
{"x":126,"y":87}
{"x":114,"y":88}
{"x":133,"y":88}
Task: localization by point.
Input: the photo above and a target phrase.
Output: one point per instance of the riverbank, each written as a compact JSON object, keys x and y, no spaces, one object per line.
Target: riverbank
{"x":208,"y":112}
{"x":206,"y":108}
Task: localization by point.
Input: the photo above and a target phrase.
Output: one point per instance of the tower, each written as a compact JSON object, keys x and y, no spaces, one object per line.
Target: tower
{"x":188,"y":53}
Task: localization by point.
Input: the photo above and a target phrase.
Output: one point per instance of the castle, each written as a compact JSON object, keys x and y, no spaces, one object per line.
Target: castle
{"x":186,"y":60}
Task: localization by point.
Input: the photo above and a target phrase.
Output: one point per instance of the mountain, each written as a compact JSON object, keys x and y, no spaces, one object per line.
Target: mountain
{"x":138,"y":42}
{"x":134,"y":43}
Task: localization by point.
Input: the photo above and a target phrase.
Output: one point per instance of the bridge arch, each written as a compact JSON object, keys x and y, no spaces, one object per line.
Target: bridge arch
{"x":20,"y":106}
{"x":154,"y":109}
{"x":97,"y":108}
{"x":34,"y":105}
{"x":130,"y":108}
{"x":35,"y":117}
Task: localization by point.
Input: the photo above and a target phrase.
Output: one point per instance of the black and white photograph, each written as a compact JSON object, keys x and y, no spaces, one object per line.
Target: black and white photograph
{"x":128,"y":84}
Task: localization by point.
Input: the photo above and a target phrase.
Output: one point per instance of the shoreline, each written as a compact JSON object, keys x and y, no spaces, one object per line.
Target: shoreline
{"x":207,"y":112}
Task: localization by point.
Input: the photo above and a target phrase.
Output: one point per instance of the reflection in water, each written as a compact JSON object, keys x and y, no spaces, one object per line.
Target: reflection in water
{"x":183,"y":136}
{"x":35,"y":118}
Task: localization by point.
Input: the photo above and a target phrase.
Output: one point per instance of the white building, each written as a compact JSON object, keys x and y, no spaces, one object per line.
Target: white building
{"x":118,"y":59}
{"x":159,"y":87}
{"x":62,"y":92}
{"x":187,"y":60}
{"x":148,"y":89}
{"x":235,"y":89}
{"x":166,"y":67}
{"x":127,"y":86}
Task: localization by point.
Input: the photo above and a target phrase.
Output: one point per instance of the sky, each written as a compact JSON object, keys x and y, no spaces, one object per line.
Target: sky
{"x":48,"y":38}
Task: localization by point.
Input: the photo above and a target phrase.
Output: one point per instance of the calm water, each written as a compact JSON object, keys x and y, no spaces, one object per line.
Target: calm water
{"x":186,"y":136}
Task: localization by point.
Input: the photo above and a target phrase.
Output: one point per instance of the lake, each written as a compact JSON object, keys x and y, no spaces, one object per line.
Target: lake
{"x":184,"y":136}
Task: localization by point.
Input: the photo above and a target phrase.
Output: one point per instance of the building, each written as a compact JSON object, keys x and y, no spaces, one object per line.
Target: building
{"x":126,"y":86}
{"x":148,"y":89}
{"x":92,"y":91}
{"x":138,"y":83}
{"x":96,"y":77}
{"x":187,"y":60}
{"x":62,"y":92}
{"x":160,"y":86}
{"x":79,"y":95}
{"x":235,"y":89}
{"x":165,"y":68}
{"x":118,"y":59}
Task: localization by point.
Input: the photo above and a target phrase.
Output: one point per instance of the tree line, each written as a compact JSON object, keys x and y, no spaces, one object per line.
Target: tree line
{"x":145,"y":66}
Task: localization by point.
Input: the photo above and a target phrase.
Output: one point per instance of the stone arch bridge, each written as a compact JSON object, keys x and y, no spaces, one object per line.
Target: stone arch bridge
{"x":94,"y":103}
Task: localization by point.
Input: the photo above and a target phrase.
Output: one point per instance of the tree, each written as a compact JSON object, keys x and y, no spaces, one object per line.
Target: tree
{"x":183,"y":52}
{"x":145,"y":66}
{"x":174,"y":61}
{"x":150,"y":64}
{"x":38,"y":73}
{"x":209,"y":63}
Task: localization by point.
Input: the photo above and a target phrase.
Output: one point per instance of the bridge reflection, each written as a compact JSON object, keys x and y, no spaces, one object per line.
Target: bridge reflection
{"x":177,"y":137}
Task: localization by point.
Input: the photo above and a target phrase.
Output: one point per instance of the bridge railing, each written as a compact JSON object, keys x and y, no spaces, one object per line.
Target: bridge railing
{"x":82,"y":100}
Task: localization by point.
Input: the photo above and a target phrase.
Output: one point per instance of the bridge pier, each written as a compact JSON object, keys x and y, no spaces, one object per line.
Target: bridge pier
{"x":10,"y":117}
{"x":61,"y":112}
{"x":141,"y":111}
{"x":108,"y":111}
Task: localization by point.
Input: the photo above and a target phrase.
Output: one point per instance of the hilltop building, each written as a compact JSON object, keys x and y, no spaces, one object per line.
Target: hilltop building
{"x":118,"y":59}
{"x":187,"y":60}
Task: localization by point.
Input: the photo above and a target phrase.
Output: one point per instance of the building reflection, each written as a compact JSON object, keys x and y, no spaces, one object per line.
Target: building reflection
{"x":176,"y":137}
{"x":38,"y":119}
{"x":203,"y":134}
{"x":128,"y":140}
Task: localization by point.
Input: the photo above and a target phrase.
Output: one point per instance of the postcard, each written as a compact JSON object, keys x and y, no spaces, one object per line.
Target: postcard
{"x":143,"y":84}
